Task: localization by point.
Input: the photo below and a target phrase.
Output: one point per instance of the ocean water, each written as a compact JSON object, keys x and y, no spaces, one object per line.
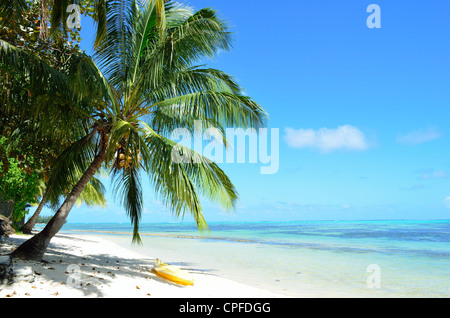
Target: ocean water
{"x":305,"y":258}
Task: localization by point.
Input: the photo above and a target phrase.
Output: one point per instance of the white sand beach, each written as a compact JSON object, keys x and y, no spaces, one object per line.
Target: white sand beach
{"x":89,"y":266}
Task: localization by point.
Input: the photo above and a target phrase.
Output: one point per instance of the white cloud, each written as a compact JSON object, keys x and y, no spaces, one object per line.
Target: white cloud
{"x":447,"y":202}
{"x":434,"y":175}
{"x":420,"y":136}
{"x":344,"y":137}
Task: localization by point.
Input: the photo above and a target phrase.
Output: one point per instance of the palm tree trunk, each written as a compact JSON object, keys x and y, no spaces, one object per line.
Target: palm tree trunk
{"x":43,"y":33}
{"x":35,"y":247}
{"x":28,"y":226}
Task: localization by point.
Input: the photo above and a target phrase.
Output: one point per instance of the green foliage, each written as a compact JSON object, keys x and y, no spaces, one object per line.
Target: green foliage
{"x":25,"y":32}
{"x":147,"y":83}
{"x":27,"y":87}
{"x":21,"y":92}
{"x":44,"y":219}
{"x":19,"y":186}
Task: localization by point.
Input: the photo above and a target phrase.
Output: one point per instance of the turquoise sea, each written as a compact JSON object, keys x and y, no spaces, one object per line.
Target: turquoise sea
{"x":305,"y":258}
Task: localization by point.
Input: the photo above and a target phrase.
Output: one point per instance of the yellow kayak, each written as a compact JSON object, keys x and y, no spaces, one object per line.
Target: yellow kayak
{"x":173,"y":273}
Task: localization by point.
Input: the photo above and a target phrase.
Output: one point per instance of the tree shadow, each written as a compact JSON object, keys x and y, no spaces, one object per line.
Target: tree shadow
{"x":89,"y":274}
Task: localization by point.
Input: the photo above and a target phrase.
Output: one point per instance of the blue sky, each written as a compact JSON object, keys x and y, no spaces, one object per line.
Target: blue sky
{"x":362,"y":113}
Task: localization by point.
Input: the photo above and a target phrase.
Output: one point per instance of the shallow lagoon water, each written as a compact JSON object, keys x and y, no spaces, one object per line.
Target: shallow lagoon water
{"x":305,"y":259}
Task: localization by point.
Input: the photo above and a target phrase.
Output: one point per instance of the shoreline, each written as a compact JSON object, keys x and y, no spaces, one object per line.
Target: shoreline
{"x":90,"y":266}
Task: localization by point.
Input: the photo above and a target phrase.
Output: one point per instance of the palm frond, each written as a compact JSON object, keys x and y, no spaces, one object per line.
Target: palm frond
{"x":203,"y":34}
{"x":86,"y":81}
{"x":209,"y":95}
{"x":233,"y":110}
{"x":113,"y":51}
{"x":52,"y":94}
{"x":127,"y":185}
{"x":11,"y":9}
{"x":73,"y":160}
{"x":189,"y":38}
{"x":101,"y":9}
{"x":143,"y":31}
{"x":93,"y":194}
{"x":43,"y":78}
{"x":191,"y":80}
{"x":179,"y":183}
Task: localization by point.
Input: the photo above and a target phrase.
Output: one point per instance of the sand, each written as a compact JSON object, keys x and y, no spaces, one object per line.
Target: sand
{"x":88,"y":266}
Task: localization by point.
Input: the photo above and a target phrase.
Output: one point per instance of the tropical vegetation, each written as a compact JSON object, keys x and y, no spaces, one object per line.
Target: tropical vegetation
{"x":28,"y":148}
{"x":144,"y":80}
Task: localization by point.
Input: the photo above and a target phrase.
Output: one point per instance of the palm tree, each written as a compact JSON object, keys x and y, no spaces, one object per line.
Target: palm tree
{"x":151,"y":85}
{"x":93,"y":195}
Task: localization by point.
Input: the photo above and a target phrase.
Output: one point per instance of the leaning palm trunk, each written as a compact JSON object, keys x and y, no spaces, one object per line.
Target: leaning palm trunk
{"x":34,"y":248}
{"x":28,"y":226}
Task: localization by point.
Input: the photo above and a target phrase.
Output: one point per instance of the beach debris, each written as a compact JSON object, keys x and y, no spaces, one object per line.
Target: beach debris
{"x":55,"y":294}
{"x":6,"y":269}
{"x":137,"y":287}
